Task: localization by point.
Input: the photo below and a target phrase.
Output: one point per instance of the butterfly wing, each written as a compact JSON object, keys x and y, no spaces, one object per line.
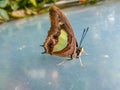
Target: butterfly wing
{"x":61,"y":40}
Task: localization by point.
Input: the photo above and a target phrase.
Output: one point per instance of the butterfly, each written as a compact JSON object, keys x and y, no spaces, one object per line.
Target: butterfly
{"x":61,"y":40}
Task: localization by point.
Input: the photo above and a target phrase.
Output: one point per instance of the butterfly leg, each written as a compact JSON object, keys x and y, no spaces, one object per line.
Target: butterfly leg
{"x":41,"y":45}
{"x":81,"y":64}
{"x":43,"y":52}
{"x":61,"y":63}
{"x":64,"y":61}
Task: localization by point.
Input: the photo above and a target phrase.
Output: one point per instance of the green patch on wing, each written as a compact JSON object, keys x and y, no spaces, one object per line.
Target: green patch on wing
{"x":62,"y":41}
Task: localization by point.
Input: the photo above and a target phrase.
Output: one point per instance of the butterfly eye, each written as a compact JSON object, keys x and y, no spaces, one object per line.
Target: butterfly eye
{"x":78,"y":51}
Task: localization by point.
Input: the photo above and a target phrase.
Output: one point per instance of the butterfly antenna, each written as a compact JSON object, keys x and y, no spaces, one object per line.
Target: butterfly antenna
{"x":83,"y":36}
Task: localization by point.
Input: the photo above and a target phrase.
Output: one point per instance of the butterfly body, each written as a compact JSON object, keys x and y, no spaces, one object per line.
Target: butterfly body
{"x":61,"y":40}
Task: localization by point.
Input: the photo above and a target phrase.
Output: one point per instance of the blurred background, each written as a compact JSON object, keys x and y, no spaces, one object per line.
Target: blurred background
{"x":14,"y":9}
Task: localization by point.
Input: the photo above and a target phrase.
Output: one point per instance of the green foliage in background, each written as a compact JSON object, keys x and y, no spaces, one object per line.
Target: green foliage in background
{"x":11,"y":9}
{"x":7,"y":7}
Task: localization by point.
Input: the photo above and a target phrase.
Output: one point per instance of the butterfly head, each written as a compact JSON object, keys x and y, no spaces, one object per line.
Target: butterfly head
{"x":79,"y":51}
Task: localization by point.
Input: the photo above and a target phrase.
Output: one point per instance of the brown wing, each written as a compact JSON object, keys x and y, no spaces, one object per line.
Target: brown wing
{"x":57,"y":17}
